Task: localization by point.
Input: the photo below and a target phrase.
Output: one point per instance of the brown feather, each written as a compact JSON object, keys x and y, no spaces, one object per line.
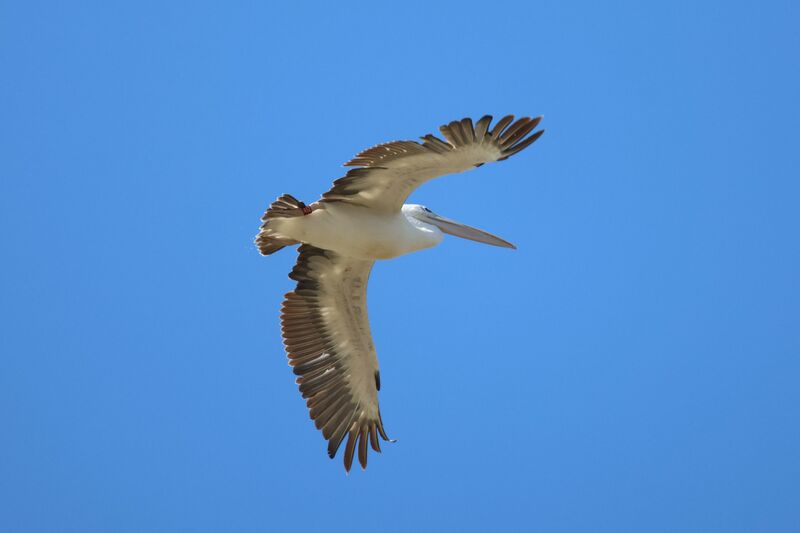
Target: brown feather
{"x":349,"y":450}
{"x":435,"y":143}
{"x":362,"y":448}
{"x":373,"y":438}
{"x":481,"y":127}
{"x":522,"y":145}
{"x":513,"y":131}
{"x":500,"y":126}
{"x":313,"y":374}
{"x":326,"y":413}
{"x":459,"y":133}
{"x":449,"y":134}
{"x":336,"y":429}
{"x":302,"y":327}
{"x":314,"y":365}
{"x":468,"y":130}
{"x":310,"y":389}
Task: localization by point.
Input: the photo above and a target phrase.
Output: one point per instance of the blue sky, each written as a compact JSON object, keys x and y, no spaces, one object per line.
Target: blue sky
{"x":632,"y":367}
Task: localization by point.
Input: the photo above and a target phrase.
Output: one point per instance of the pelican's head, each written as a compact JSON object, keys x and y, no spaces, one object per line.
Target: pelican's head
{"x":451,"y":227}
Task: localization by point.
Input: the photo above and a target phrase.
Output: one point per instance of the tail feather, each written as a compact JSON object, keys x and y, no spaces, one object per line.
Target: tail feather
{"x":268,"y":245}
{"x":286,"y":206}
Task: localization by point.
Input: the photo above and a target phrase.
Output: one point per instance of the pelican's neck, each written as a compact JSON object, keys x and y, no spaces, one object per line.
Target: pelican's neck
{"x":427,"y":235}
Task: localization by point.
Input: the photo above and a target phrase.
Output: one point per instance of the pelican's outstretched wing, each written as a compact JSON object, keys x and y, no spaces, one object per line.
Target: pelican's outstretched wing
{"x":389,"y":172}
{"x":328,"y":340}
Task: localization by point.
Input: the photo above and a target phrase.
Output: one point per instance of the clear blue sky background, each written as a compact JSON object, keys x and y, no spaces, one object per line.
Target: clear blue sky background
{"x":634,"y":366}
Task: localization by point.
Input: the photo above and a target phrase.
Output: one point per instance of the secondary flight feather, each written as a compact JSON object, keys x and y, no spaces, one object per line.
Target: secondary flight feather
{"x":361,"y":219}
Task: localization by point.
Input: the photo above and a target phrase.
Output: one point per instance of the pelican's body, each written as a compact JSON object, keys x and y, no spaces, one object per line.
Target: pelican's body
{"x":361,"y":219}
{"x":360,"y":232}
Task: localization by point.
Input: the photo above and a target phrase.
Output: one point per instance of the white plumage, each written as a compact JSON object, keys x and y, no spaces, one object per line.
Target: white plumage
{"x":360,"y":232}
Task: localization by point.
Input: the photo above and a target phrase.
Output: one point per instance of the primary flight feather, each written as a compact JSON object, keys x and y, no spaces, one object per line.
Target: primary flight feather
{"x":363,"y":218}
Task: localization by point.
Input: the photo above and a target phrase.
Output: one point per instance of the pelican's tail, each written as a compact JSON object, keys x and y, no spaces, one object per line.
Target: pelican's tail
{"x":286,"y":206}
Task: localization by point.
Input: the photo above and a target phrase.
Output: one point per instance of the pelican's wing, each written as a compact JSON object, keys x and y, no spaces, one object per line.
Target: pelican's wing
{"x":389,"y":172}
{"x":327,"y":337}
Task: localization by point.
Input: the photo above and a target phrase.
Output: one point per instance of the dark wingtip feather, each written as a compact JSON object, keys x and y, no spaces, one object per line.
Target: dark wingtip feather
{"x":373,"y":439}
{"x":468,"y":130}
{"x":349,"y":450}
{"x":508,"y":152}
{"x":501,"y":125}
{"x":481,"y":127}
{"x":362,"y":449}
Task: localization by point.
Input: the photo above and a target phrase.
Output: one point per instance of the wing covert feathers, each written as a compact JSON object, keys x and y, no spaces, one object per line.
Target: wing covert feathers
{"x":387,"y":173}
{"x":328,"y":341}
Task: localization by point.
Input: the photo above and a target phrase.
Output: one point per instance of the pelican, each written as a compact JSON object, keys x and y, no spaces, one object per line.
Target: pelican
{"x":361,"y":219}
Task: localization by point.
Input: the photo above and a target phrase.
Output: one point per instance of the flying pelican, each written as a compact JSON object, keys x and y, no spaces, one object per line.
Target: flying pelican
{"x":362,"y":218}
